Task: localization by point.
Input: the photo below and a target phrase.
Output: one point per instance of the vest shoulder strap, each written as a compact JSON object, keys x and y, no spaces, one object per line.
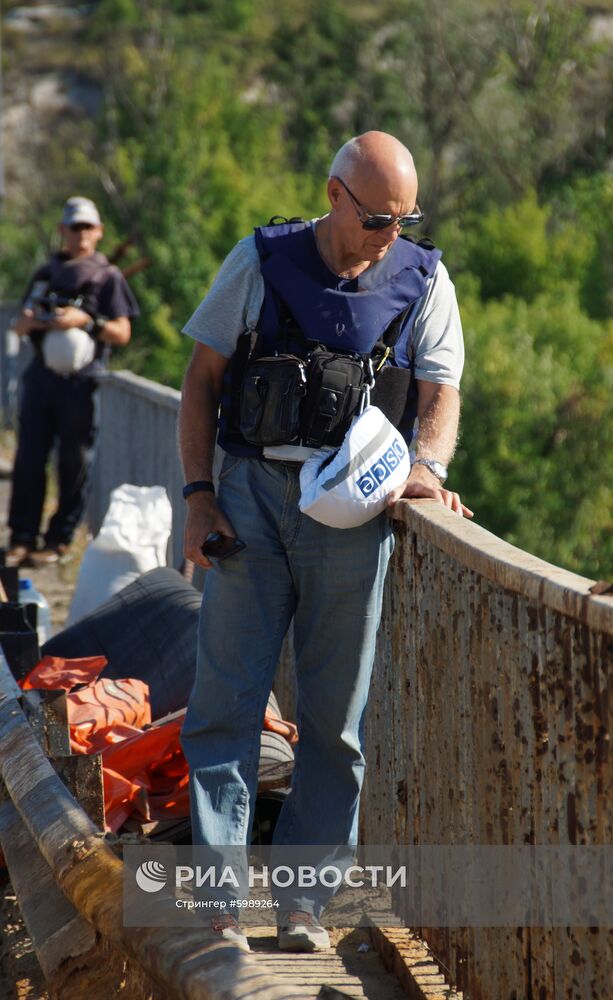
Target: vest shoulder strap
{"x":425,"y":243}
{"x":390,"y":338}
{"x":280,"y":220}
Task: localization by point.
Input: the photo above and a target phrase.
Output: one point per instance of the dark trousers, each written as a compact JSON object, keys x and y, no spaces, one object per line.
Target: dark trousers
{"x":53,"y":408}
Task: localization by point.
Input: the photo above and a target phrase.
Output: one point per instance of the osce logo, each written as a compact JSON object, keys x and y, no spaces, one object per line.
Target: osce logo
{"x":381,"y":469}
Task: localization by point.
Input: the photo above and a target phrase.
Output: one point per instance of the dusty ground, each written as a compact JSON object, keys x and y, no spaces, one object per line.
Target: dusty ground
{"x":55,"y":582}
{"x":20,"y":974}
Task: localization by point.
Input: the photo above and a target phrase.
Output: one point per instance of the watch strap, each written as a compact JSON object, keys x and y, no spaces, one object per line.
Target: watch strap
{"x":95,"y":326}
{"x":436,"y":468}
{"x":198,"y":486}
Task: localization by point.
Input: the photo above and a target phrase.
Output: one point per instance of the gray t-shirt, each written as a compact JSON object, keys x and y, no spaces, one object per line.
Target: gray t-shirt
{"x":235,"y":298}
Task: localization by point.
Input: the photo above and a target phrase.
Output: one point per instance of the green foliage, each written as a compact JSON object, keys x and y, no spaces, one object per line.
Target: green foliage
{"x":524,"y":249}
{"x":588,"y":203}
{"x":20,"y":251}
{"x":535,"y":454}
{"x":198,"y":177}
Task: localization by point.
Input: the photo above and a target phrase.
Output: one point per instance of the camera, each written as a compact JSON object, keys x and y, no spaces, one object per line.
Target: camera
{"x":45,"y":306}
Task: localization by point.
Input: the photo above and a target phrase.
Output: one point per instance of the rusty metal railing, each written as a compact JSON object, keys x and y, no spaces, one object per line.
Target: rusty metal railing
{"x":489,"y":724}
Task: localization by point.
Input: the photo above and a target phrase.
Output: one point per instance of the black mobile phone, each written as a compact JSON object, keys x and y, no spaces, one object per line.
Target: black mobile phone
{"x":218,"y":546}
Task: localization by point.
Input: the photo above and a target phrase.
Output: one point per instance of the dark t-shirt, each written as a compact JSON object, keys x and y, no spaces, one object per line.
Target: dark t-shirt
{"x":110,"y":298}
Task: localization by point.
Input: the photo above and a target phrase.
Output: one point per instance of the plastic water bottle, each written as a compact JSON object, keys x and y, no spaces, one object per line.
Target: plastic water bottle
{"x":28,"y":594}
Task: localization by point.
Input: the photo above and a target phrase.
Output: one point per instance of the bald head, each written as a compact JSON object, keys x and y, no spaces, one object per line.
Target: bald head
{"x":372,"y":175}
{"x":378,"y":161}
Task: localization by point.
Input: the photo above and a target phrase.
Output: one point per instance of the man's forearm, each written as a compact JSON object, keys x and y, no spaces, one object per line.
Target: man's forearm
{"x":198,"y":427}
{"x":116,"y":332}
{"x":438,"y":424}
{"x":439,"y":415}
{"x":197,"y":431}
{"x":25,"y":324}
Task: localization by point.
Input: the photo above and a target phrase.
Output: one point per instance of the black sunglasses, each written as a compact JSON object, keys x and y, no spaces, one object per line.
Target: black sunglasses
{"x":78,"y":227}
{"x":377,"y":220}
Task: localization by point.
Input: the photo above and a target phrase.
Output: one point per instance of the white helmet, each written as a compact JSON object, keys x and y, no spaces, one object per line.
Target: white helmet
{"x":352,"y":487}
{"x":68,"y":351}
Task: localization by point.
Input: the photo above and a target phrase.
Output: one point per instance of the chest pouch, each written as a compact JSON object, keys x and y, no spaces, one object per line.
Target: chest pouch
{"x":392,"y":387}
{"x":335,"y":390}
{"x":310,"y":397}
{"x":272,"y":391}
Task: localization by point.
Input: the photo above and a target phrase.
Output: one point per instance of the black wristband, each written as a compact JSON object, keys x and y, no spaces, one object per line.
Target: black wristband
{"x":95,"y":326}
{"x":198,"y":486}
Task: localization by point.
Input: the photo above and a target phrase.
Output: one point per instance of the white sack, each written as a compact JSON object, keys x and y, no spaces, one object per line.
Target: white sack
{"x":132,"y":540}
{"x":68,"y":351}
{"x":353,"y":487}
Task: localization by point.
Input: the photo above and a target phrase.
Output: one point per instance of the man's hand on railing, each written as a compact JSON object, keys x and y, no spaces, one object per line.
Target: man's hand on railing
{"x":203,"y":517}
{"x":423,"y":484}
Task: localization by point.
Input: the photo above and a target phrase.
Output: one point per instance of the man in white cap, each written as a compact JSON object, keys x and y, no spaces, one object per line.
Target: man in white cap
{"x":347,"y":282}
{"x":76,"y":306}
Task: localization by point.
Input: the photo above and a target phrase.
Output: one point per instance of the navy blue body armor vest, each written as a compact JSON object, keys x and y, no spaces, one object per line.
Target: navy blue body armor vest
{"x":327,"y":309}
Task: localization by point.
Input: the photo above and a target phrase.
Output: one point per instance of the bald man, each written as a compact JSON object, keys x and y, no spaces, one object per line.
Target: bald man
{"x":350,"y":282}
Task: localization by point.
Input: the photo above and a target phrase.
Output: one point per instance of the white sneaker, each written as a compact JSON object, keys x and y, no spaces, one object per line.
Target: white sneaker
{"x":300,"y":931}
{"x":225,"y":927}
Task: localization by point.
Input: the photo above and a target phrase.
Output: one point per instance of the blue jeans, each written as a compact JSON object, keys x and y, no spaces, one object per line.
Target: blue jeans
{"x":330,"y":581}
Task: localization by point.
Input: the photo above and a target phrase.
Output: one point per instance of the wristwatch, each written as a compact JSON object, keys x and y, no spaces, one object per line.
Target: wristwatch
{"x":436,"y":468}
{"x":95,"y":326}
{"x":198,"y":486}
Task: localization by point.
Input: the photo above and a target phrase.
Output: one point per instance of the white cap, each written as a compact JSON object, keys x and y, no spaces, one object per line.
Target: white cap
{"x":80,"y":210}
{"x":353,"y":486}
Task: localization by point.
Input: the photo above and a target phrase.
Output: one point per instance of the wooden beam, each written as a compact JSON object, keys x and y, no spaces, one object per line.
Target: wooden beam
{"x":56,"y":929}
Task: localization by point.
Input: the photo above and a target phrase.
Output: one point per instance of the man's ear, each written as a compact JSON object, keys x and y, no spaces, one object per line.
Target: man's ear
{"x":335,"y":191}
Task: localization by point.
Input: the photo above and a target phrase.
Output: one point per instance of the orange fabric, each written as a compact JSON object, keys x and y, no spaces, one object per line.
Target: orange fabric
{"x":54,"y":673}
{"x":153,"y":763}
{"x":146,"y":775}
{"x":275,"y":724}
{"x":120,"y":796}
{"x":144,"y":770}
{"x":108,"y":736}
{"x":99,"y":707}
